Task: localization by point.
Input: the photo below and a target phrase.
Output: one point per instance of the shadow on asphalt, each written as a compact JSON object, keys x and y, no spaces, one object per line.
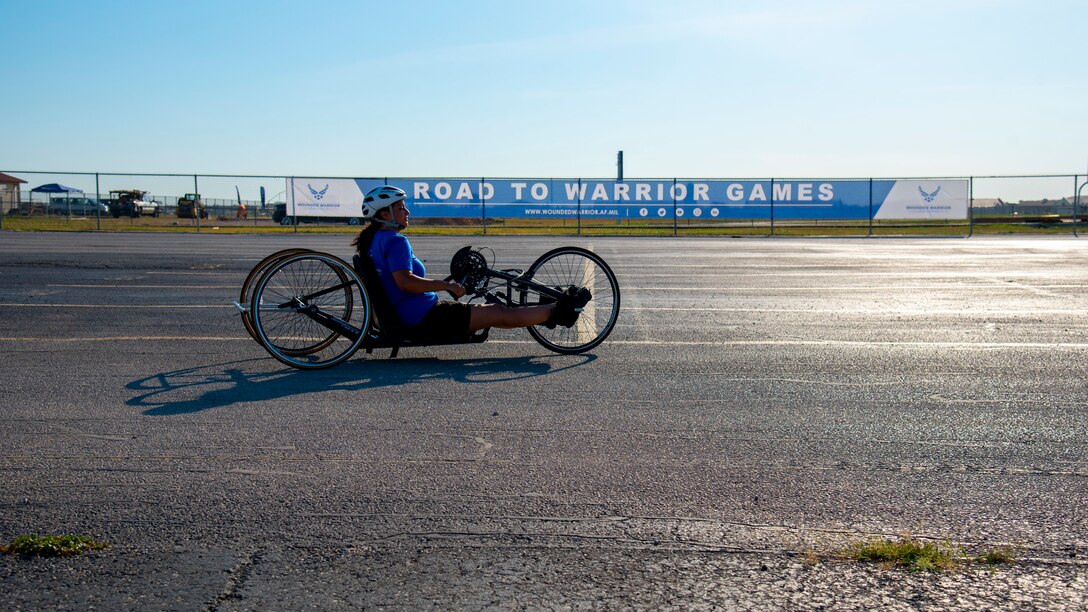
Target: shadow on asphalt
{"x":224,"y":384}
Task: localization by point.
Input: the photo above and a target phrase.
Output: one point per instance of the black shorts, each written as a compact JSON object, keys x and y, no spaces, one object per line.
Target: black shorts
{"x":444,"y":321}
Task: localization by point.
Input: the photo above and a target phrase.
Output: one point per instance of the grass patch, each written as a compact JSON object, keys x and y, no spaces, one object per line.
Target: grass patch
{"x":906,"y":552}
{"x":997,"y":556}
{"x":52,"y":545}
{"x":913,"y":554}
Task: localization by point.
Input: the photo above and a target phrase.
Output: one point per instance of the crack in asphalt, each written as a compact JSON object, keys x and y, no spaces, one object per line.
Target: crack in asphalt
{"x":236,"y":580}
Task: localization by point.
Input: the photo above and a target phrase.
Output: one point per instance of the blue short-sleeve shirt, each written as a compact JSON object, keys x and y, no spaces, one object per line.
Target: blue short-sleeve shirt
{"x":391,"y":252}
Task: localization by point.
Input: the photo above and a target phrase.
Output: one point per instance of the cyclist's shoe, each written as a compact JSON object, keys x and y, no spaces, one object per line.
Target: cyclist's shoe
{"x":569,"y":307}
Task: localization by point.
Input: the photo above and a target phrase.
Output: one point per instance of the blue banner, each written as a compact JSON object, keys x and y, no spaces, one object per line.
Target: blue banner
{"x":681,"y":199}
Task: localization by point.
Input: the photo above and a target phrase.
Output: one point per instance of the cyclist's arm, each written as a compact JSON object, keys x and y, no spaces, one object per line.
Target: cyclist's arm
{"x":410,"y":283}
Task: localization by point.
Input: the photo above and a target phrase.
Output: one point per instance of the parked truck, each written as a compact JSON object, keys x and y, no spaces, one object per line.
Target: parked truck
{"x":132,"y":203}
{"x":279,"y":215}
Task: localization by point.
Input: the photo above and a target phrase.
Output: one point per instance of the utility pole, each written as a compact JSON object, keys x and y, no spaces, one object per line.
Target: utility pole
{"x":619,"y":166}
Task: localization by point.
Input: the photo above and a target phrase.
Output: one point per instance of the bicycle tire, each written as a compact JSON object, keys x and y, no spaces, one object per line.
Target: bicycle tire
{"x":247,"y":320}
{"x":309,"y":279}
{"x":246,"y":294}
{"x":575,"y":267}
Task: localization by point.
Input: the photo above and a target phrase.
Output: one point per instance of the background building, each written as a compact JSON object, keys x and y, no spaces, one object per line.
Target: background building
{"x":9,"y":192}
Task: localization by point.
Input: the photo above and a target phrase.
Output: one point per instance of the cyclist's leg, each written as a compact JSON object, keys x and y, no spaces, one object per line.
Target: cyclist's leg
{"x":484,"y":316}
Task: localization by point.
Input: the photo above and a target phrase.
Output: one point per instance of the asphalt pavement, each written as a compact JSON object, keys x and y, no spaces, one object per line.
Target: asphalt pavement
{"x":761,"y":404}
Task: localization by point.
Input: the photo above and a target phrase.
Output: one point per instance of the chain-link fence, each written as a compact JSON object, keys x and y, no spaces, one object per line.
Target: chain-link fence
{"x":575,"y":206}
{"x":110,"y":201}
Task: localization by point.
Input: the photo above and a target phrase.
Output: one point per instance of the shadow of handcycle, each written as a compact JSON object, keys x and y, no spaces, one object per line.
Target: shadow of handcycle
{"x":224,"y":384}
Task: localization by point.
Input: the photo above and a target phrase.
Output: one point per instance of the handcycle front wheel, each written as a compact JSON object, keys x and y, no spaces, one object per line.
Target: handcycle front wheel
{"x":576,"y":267}
{"x":310,"y":310}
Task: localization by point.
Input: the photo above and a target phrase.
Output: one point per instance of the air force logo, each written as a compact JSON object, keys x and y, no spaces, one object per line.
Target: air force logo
{"x":320,"y":194}
{"x":929,"y":197}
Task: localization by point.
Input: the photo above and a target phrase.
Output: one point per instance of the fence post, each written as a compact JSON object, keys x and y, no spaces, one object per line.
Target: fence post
{"x":870,"y":207}
{"x":1076,"y":203}
{"x":98,"y":205}
{"x":579,"y":205}
{"x":673,"y":194}
{"x":772,"y":206}
{"x":970,"y":206}
{"x":196,"y":210}
{"x":483,"y":201}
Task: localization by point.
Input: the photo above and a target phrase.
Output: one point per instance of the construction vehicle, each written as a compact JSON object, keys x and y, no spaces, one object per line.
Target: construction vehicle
{"x":131,"y":203}
{"x":190,"y":206}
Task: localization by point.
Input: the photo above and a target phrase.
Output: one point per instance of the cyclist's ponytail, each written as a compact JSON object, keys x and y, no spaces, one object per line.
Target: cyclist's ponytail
{"x":365,"y":238}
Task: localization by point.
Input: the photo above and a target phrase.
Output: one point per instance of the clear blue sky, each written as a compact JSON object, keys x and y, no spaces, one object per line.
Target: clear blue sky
{"x":505,"y":88}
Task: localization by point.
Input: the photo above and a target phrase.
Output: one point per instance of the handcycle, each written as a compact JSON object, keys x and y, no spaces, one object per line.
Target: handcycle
{"x":313,"y":310}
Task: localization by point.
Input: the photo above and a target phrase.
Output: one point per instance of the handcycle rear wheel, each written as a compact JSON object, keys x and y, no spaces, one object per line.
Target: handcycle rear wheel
{"x":575,"y":267}
{"x":247,"y":296}
{"x":310,"y":310}
{"x":250,"y":283}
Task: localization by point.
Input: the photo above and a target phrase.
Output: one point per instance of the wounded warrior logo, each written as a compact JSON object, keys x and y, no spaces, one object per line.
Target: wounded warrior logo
{"x":320,"y":194}
{"x":929,"y":197}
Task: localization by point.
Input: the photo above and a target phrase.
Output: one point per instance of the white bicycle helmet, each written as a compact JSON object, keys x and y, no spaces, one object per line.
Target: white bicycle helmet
{"x":381,"y":198}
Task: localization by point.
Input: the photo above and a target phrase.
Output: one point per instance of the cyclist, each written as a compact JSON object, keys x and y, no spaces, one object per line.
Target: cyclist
{"x":413,"y":295}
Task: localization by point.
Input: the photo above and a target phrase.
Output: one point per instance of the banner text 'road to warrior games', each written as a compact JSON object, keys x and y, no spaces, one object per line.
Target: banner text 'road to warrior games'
{"x":644,"y":199}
